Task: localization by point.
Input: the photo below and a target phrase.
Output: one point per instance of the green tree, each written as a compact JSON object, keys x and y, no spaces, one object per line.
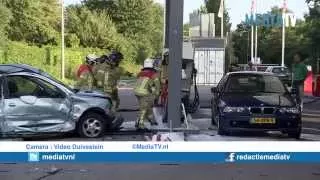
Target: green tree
{"x":4,"y":21}
{"x":241,"y":43}
{"x":157,"y":29}
{"x":139,"y":21}
{"x":96,"y":30}
{"x":34,"y":21}
{"x":212,"y":6}
{"x":312,"y":30}
{"x":92,"y":28}
{"x":270,"y":42}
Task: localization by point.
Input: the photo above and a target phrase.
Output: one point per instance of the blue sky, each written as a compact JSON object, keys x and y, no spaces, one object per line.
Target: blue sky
{"x":238,"y":8}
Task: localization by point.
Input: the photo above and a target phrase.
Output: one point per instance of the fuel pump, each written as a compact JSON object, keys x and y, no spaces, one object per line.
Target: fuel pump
{"x":188,"y":81}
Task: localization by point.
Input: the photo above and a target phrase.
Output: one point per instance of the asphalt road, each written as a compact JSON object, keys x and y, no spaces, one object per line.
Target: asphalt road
{"x":167,"y":171}
{"x":129,"y":107}
{"x":159,"y":172}
{"x":129,"y":111}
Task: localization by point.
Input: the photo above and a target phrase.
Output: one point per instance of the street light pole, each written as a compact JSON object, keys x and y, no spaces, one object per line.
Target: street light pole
{"x":62,"y":41}
{"x":256,"y":36}
{"x":283,"y":30}
{"x":248,"y":42}
{"x":252,"y":30}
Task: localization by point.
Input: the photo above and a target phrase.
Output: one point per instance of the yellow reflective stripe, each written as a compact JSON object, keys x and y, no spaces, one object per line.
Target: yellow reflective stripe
{"x":142,"y":86}
{"x":144,"y":83}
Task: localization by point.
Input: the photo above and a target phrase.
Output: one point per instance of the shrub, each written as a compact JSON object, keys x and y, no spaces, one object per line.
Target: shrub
{"x":48,"y":58}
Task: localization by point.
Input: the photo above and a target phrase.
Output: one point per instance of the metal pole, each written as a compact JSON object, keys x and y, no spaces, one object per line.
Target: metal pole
{"x":283,"y":31}
{"x":256,"y":34}
{"x":164,"y":27}
{"x":256,"y":45}
{"x":175,"y":61}
{"x":62,"y":41}
{"x":252,"y":31}
{"x":166,"y":24}
{"x":248,"y":42}
{"x":222,"y":20}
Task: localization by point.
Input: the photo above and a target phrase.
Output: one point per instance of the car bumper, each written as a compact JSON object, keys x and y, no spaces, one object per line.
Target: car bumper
{"x":284,"y":123}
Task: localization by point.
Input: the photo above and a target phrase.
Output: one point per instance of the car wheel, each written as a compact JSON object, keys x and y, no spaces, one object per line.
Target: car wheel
{"x":221,"y":130}
{"x":295,"y":134}
{"x":91,"y":125}
{"x":213,"y":117}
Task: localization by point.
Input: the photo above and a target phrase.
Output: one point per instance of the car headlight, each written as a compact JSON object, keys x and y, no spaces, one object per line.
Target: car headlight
{"x":221,"y":104}
{"x":233,"y":109}
{"x":293,"y":110}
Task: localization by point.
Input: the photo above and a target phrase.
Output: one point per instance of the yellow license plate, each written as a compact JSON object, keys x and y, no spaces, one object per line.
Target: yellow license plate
{"x":263,"y":120}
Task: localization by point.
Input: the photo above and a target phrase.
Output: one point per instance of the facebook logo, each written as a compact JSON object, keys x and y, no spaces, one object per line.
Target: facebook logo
{"x":33,"y":157}
{"x":230,"y":157}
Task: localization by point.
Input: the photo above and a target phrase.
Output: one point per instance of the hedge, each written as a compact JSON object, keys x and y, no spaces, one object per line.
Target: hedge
{"x":48,"y":58}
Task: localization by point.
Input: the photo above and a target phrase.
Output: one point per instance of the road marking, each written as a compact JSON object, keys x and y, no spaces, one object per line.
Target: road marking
{"x":311,"y":129}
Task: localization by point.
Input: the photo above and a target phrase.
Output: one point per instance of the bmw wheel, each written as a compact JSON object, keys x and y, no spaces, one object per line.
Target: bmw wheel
{"x":213,"y":117}
{"x":91,"y":125}
{"x":295,"y":134}
{"x":221,"y":130}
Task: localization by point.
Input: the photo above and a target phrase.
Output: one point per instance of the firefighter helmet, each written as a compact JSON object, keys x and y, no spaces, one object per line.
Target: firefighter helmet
{"x":91,"y":59}
{"x":148,"y":63}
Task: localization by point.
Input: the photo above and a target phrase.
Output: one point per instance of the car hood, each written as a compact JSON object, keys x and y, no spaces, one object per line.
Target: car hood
{"x":94,"y":99}
{"x":257,"y":100}
{"x":91,"y":94}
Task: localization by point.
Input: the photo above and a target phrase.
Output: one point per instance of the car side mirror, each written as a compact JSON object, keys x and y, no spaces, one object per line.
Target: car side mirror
{"x":76,"y":90}
{"x":214,"y":90}
{"x":29,"y":99}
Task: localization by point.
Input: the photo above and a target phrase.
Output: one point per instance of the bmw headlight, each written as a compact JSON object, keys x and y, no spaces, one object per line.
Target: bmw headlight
{"x":221,"y":104}
{"x":293,"y":110}
{"x":229,"y":109}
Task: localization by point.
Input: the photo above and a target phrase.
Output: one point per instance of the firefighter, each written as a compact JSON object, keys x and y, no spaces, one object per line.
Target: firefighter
{"x":86,"y":78}
{"x":112,"y":76}
{"x":99,"y":72}
{"x":146,"y":90}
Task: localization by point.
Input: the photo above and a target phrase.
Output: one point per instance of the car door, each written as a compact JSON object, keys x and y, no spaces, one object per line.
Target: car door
{"x":32,"y":104}
{"x":18,"y":113}
{"x":1,"y":104}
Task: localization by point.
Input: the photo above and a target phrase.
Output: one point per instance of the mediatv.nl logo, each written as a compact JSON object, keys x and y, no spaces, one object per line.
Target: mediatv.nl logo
{"x":232,"y":157}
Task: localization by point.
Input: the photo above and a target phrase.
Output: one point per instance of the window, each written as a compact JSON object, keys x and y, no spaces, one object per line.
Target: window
{"x":255,"y":84}
{"x":30,"y":86}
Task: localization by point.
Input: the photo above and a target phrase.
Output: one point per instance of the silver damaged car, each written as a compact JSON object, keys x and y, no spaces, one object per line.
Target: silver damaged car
{"x":34,"y":103}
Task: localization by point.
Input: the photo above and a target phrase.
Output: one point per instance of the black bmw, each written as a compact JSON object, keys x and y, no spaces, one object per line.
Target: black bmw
{"x":254,"y":101}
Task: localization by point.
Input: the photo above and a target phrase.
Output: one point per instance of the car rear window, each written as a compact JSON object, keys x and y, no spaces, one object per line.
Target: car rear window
{"x":255,"y":84}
